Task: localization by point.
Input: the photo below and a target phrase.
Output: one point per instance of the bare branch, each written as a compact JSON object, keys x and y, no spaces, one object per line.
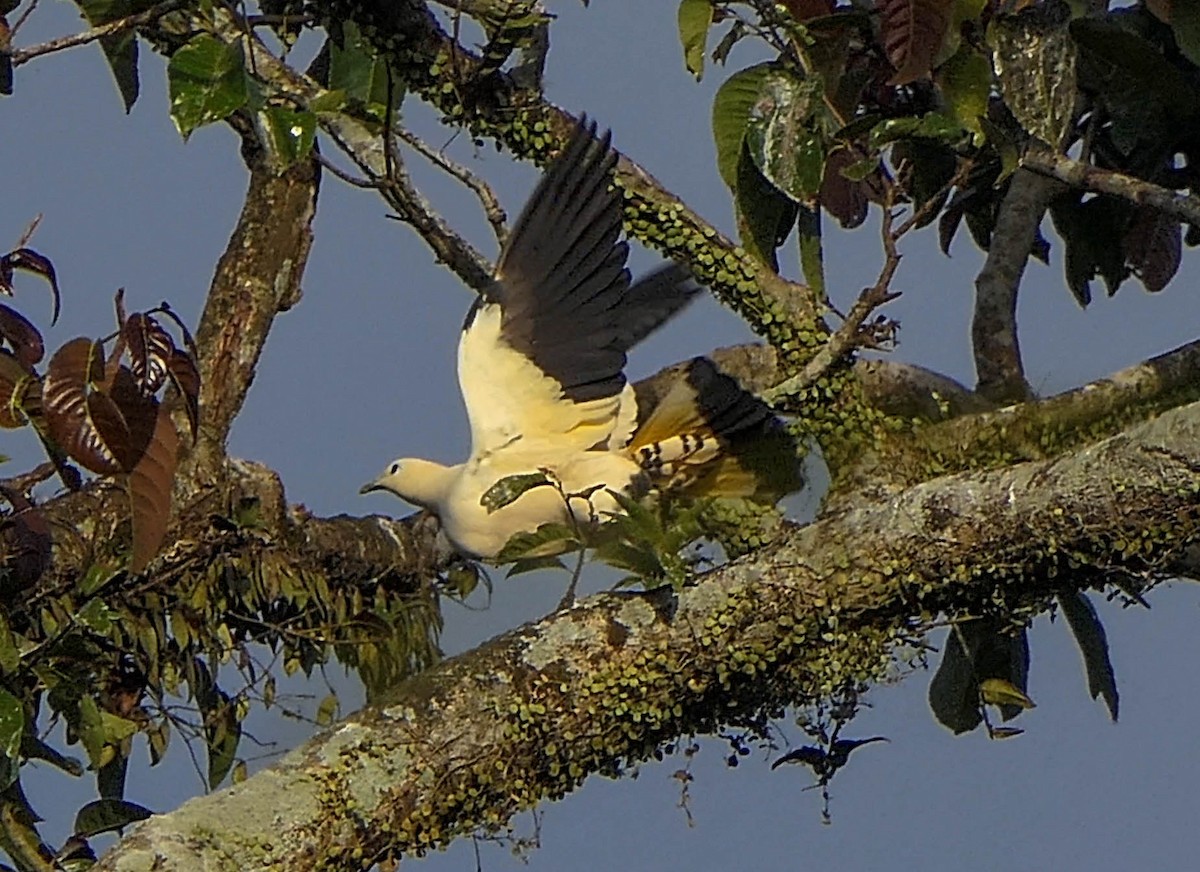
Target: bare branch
{"x":998,"y":365}
{"x":112,"y":28}
{"x":492,"y":209}
{"x":1077,"y":174}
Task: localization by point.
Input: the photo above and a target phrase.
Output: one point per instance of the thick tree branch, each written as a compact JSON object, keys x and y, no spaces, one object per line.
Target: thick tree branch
{"x":257,"y":277}
{"x":1086,"y":177}
{"x":998,"y":366}
{"x":589,"y":689}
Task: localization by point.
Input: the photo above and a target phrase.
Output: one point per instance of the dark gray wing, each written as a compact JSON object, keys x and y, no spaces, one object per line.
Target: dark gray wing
{"x":562,"y":272}
{"x":652,"y":300}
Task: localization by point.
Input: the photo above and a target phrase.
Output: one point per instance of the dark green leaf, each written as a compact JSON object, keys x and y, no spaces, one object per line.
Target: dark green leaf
{"x":120,"y":50}
{"x":532,"y":564}
{"x":12,"y":724}
{"x":207,"y":81}
{"x":292,"y":133}
{"x":222,"y":732}
{"x":781,"y":137}
{"x":812,"y":259}
{"x":33,"y":748}
{"x":327,"y":710}
{"x":765,"y":216}
{"x":1093,"y":646}
{"x":953,"y":692}
{"x":731,"y":109}
{"x":1185,"y":22}
{"x":637,"y":558}
{"x":695,"y":17}
{"x":357,"y":70}
{"x":510,"y":489}
{"x":106,"y":815}
{"x":547,"y":540}
{"x":1092,"y":232}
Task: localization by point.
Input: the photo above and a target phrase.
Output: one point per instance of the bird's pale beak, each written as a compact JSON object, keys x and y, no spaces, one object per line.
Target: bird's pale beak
{"x":370,"y":486}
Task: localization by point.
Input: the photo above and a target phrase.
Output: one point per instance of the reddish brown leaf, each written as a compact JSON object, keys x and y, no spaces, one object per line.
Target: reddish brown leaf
{"x":1161,"y":9}
{"x":77,"y":415}
{"x":1154,"y":247}
{"x":149,"y":346}
{"x":150,"y":491}
{"x":138,"y":414}
{"x":26,"y":538}
{"x":912,"y":32}
{"x":24,"y":338}
{"x":844,"y":199}
{"x":13,"y":379}
{"x":30,"y":261}
{"x":186,"y":378}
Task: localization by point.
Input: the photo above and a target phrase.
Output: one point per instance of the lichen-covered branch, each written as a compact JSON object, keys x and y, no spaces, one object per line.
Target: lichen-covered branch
{"x":532,"y":714}
{"x":257,"y":277}
{"x":998,"y":366}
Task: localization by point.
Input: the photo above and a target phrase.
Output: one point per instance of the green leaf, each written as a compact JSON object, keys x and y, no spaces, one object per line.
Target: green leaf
{"x":533,"y":564}
{"x":120,"y":50}
{"x":999,"y":692}
{"x":357,"y":70}
{"x":637,"y":558}
{"x":222,"y":732}
{"x":732,"y":105}
{"x":812,"y":258}
{"x":1089,"y":634}
{"x":327,"y":710}
{"x":97,"y":616}
{"x":510,"y":489}
{"x":12,"y":724}
{"x":1034,"y":58}
{"x":33,"y":748}
{"x":765,"y":215}
{"x":953,"y":693}
{"x":780,"y":135}
{"x":695,"y":18}
{"x":10,"y":654}
{"x":1185,"y":22}
{"x":106,"y":815}
{"x":292,"y":133}
{"x":207,"y":82}
{"x":966,"y":82}
{"x":547,"y":540}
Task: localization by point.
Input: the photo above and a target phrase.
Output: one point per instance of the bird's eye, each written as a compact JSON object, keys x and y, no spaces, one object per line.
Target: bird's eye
{"x":395,"y":469}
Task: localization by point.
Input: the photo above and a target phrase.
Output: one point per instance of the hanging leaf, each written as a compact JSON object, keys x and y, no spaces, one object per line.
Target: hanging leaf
{"x":732,"y":105}
{"x":529,"y":564}
{"x":844,"y":198}
{"x":25,"y":339}
{"x":1154,"y":247}
{"x":12,"y":724}
{"x":912,"y":32}
{"x":327,"y":710}
{"x":765,"y":215}
{"x":149,"y":347}
{"x":357,"y":70}
{"x":953,"y":692}
{"x":120,"y":50}
{"x":222,"y":733}
{"x":207,"y":81}
{"x":780,"y":135}
{"x":27,"y":543}
{"x":181,"y":369}
{"x":1089,"y":635}
{"x":107,"y":815}
{"x":76,"y":414}
{"x":28,"y":260}
{"x":150,"y":484}
{"x":812,"y":258}
{"x":695,"y":18}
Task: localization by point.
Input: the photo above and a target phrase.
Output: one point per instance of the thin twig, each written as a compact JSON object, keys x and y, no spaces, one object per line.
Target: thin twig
{"x":12,"y":31}
{"x":112,"y":28}
{"x":492,"y":209}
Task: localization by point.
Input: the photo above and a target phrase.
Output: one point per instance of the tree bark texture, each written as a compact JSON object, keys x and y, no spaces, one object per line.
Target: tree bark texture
{"x":595,"y":687}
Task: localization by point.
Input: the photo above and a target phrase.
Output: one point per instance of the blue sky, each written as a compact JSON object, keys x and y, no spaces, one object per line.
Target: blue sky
{"x":363,"y":370}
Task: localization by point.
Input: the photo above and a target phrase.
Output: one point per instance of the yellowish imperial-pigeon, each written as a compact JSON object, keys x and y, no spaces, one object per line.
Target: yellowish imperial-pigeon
{"x":541,"y":367}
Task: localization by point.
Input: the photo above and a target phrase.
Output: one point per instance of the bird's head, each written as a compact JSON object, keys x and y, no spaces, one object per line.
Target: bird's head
{"x":391,"y":480}
{"x":420,"y":482}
